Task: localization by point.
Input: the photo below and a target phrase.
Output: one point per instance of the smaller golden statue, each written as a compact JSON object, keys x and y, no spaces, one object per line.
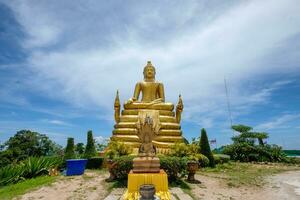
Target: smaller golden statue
{"x":148,"y":126}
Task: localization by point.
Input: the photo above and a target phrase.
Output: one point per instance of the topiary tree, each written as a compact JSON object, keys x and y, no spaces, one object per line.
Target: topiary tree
{"x":90,"y":149}
{"x":250,"y":146}
{"x":70,"y":149}
{"x":241,"y":128}
{"x":79,"y":148}
{"x":205,"y":148}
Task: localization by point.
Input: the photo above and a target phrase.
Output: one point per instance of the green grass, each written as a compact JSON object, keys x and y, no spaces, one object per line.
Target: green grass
{"x":237,"y":174}
{"x":11,"y":191}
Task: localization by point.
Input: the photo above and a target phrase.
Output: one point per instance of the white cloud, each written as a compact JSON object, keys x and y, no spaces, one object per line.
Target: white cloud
{"x":57,"y":122}
{"x":279,"y":122}
{"x":82,"y":56}
{"x":101,"y":139}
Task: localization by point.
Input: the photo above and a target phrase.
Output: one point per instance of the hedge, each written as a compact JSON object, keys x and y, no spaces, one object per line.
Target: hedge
{"x":94,"y":163}
{"x":221,"y":158}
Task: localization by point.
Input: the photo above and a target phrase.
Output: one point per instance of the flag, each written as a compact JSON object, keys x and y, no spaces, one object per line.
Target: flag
{"x":214,"y":141}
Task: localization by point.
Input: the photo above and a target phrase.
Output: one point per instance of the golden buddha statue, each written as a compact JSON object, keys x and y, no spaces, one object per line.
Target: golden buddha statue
{"x":152,"y":101}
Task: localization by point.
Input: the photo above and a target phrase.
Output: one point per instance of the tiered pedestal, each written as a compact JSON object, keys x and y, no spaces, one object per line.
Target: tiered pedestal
{"x":146,"y":165}
{"x":159,"y":180}
{"x":170,"y":132}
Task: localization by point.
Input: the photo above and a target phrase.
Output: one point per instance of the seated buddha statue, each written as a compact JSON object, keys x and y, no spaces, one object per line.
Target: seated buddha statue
{"x":153,"y":95}
{"x":151,"y":103}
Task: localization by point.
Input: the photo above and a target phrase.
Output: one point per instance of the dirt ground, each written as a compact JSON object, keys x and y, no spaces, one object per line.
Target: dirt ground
{"x":279,"y":187}
{"x":91,"y":186}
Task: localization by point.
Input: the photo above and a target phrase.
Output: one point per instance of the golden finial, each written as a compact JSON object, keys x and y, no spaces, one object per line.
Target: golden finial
{"x":117,"y":107}
{"x":179,"y":109}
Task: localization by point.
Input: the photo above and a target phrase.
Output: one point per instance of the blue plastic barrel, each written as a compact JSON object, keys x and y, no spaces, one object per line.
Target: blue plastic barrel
{"x":76,"y":166}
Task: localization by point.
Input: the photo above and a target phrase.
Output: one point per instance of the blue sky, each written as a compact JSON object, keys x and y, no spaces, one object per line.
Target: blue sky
{"x":62,"y":62}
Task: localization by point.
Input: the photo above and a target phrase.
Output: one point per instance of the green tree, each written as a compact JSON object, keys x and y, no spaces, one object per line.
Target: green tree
{"x":26,"y":143}
{"x":79,"y":148}
{"x":245,"y":147}
{"x":241,"y":128}
{"x":90,"y":150}
{"x":70,"y":149}
{"x":205,"y":148}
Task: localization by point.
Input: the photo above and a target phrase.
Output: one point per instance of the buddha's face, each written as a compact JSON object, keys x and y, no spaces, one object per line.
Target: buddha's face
{"x":149,"y":73}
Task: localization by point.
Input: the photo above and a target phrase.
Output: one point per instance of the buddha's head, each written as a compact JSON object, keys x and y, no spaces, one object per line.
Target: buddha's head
{"x":149,"y":71}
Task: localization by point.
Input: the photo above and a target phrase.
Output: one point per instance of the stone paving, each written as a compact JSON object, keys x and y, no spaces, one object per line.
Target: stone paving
{"x":115,"y":194}
{"x":176,"y":193}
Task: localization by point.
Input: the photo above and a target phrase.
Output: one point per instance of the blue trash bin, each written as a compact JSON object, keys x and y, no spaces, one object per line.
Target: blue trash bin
{"x":75,"y":166}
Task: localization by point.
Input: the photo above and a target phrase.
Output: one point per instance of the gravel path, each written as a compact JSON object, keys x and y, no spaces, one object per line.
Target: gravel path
{"x":283,"y":186}
{"x":90,"y":186}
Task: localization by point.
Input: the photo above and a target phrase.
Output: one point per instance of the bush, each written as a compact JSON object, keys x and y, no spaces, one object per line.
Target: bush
{"x":11,"y":174}
{"x":90,"y":149}
{"x":94,"y":163}
{"x":205,"y":148}
{"x":34,"y":166}
{"x":246,"y":152}
{"x":179,"y":150}
{"x":70,"y":150}
{"x":122,"y":166}
{"x":293,"y":160}
{"x":221,"y":158}
{"x":117,"y":149}
{"x":203,"y":161}
{"x":29,"y":168}
{"x":175,"y":167}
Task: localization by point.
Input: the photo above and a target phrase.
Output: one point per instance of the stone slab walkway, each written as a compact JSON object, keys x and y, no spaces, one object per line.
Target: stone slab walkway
{"x":176,"y":193}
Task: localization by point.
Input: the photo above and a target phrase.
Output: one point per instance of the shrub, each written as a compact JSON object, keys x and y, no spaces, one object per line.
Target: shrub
{"x":179,"y":150}
{"x":203,"y":161}
{"x":246,"y":152}
{"x":205,"y":148}
{"x":79,"y":148}
{"x":70,"y":150}
{"x":94,"y":163}
{"x":116,"y":149}
{"x":293,"y":160}
{"x":90,"y":150}
{"x":221,"y":158}
{"x":189,"y":152}
{"x":29,"y":168}
{"x":11,"y":174}
{"x":122,"y":166}
{"x":34,"y":166}
{"x":175,"y":167}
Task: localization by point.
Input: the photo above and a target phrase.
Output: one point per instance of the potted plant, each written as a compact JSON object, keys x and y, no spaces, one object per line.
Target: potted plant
{"x":110,"y":164}
{"x":193,"y":162}
{"x":74,"y":166}
{"x":192,"y":167}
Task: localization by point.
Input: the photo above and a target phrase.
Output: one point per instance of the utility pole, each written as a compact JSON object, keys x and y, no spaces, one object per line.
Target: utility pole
{"x":228,"y":104}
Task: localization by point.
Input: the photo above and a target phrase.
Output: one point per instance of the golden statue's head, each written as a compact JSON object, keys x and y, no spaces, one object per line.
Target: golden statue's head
{"x":149,"y":71}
